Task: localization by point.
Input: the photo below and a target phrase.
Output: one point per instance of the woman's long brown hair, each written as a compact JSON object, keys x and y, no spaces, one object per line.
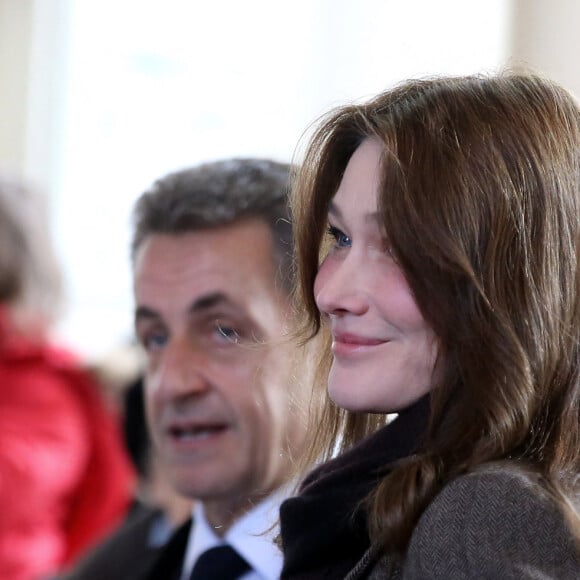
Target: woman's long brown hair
{"x":480,"y":199}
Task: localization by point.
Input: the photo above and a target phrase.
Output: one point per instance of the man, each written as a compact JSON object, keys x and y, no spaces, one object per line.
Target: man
{"x":212,"y":273}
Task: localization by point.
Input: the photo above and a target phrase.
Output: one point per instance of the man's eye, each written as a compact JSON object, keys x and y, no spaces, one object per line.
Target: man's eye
{"x":154,"y":341}
{"x":227,"y":333}
{"x":341,"y":240}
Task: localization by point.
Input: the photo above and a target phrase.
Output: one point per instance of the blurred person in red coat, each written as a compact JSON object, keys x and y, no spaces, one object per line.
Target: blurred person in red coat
{"x":65,"y":478}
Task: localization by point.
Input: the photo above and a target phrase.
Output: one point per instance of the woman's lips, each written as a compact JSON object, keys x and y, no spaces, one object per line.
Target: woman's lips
{"x":344,"y":344}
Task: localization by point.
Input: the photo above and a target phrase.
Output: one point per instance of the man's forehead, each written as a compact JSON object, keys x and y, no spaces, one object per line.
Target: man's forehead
{"x":242,"y":227}
{"x":243,"y":245}
{"x":232,"y":267}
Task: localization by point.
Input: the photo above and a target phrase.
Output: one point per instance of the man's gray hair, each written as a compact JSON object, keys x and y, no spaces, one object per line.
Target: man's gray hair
{"x":216,"y":194}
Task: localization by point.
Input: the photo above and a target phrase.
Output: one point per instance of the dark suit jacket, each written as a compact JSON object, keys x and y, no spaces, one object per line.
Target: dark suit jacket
{"x":491,"y":524}
{"x":170,"y":561}
{"x":128,"y":555}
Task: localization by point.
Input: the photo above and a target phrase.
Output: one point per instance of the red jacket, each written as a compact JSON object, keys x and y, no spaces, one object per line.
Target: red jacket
{"x":65,"y":479}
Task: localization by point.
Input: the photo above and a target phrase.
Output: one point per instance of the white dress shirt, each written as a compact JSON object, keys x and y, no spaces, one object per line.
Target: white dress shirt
{"x":251,"y":536}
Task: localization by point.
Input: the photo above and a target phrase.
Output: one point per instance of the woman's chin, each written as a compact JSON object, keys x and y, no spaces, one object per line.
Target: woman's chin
{"x":345,"y":397}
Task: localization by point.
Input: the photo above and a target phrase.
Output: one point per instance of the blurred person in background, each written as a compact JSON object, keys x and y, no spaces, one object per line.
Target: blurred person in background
{"x":65,"y":478}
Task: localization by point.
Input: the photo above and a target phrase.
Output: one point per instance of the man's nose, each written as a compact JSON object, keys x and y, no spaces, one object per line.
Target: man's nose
{"x":182,"y":370}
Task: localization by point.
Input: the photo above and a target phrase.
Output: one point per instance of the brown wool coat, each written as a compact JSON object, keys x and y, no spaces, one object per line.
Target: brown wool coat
{"x":488,"y":525}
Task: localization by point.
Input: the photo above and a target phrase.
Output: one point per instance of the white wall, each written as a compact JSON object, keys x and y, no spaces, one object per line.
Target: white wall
{"x":189,"y":81}
{"x":142,"y":87}
{"x":15,"y":43}
{"x":546,"y":38}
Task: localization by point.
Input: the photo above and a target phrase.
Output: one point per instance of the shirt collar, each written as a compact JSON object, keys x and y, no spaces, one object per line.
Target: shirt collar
{"x":252,"y":536}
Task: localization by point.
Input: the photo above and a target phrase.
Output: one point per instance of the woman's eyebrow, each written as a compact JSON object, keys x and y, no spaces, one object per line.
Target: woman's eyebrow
{"x":336,"y":212}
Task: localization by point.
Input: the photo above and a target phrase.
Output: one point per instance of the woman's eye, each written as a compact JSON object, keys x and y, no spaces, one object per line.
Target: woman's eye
{"x":340,"y":238}
{"x":227,"y":333}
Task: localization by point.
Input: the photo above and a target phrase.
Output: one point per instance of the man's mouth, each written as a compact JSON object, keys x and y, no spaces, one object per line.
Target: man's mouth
{"x":194,"y":432}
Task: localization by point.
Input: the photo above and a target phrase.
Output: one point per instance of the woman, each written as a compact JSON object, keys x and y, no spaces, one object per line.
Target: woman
{"x":446,"y":214}
{"x":65,"y":479}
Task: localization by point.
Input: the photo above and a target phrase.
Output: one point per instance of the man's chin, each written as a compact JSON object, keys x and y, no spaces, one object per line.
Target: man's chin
{"x":200,"y":484}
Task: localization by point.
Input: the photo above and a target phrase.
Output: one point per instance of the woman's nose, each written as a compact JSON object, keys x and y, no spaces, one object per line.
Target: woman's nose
{"x":339,"y":288}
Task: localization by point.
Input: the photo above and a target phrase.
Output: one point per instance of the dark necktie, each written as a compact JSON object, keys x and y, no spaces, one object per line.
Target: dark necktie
{"x":219,"y":563}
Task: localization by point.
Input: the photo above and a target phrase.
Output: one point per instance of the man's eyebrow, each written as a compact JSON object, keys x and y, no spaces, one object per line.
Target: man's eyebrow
{"x":145,"y":312}
{"x":201,"y":304}
{"x":209,"y":301}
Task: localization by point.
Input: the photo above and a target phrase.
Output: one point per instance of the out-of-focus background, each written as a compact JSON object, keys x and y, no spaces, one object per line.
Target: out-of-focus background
{"x":100,"y":97}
